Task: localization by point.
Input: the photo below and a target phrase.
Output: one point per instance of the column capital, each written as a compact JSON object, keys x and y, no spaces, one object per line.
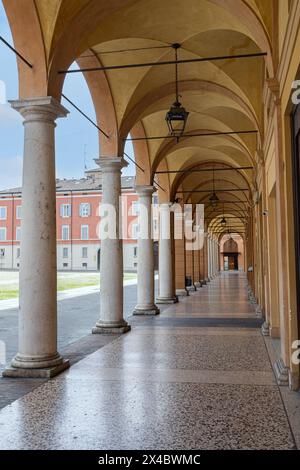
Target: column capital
{"x":111,"y":164}
{"x":145,"y":190}
{"x":39,"y":109}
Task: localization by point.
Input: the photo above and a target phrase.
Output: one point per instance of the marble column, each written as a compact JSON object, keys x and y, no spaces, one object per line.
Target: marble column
{"x":111,"y":319}
{"x":211,"y":257}
{"x":205,"y":258}
{"x":202,"y":265}
{"x":37,"y":353}
{"x":196,"y":268}
{"x":213,"y":253}
{"x":166,"y":293}
{"x":217,"y":258}
{"x":189,"y":266}
{"x":145,"y":269}
{"x":208,"y":258}
{"x":180,"y":260}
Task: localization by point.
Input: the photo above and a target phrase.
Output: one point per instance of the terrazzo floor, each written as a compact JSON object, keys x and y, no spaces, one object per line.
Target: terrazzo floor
{"x":162,"y":386}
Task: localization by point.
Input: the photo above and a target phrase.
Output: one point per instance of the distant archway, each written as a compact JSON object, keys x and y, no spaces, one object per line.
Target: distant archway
{"x":232,"y":253}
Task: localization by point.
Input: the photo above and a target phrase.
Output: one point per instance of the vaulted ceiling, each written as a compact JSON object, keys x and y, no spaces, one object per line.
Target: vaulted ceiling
{"x":220,"y":95}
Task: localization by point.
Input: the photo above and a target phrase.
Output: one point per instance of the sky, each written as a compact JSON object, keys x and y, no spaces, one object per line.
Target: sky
{"x":76,"y":139}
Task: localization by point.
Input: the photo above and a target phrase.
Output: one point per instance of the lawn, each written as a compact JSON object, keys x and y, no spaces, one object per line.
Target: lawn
{"x":9,"y":288}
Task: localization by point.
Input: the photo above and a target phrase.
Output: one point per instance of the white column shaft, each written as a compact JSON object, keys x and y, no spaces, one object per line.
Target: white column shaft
{"x":145,"y":270}
{"x":166,"y":278}
{"x":111,"y":267}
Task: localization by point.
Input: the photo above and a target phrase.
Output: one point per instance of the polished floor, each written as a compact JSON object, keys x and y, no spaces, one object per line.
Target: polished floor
{"x":192,"y":384}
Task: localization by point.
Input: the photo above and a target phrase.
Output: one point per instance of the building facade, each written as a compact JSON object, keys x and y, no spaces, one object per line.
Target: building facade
{"x":77,"y":219}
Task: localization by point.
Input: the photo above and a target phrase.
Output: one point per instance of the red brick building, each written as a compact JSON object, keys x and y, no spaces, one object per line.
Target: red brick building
{"x":77,"y":209}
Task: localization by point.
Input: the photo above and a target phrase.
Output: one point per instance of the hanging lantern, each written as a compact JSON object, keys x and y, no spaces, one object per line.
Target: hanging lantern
{"x":214,"y":199}
{"x":223,"y":222}
{"x":177,"y":115}
{"x":176,"y":119}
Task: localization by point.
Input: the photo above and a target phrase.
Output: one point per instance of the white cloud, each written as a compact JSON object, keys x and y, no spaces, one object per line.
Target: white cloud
{"x":9,"y":115}
{"x":2,"y":92}
{"x":12,"y":176}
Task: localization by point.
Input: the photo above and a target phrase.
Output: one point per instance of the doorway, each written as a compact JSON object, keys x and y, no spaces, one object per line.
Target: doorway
{"x":231,"y":262}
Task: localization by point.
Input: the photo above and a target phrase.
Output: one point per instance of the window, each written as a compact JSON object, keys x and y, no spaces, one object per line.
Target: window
{"x":18,"y":252}
{"x":65,"y":252}
{"x":135,"y":251}
{"x":84,"y":265}
{"x":65,"y":210}
{"x":65,"y":265}
{"x":135,"y":208}
{"x":19,"y":212}
{"x":84,"y":209}
{"x":65,"y":232}
{"x":84,"y":232}
{"x":18,"y":234}
{"x":2,"y":234}
{"x":3,"y":213}
{"x":84,"y":252}
{"x":2,"y":252}
{"x":135,"y":231}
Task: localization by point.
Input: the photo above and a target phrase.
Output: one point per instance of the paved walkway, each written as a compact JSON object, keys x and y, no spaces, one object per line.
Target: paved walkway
{"x":196,"y":377}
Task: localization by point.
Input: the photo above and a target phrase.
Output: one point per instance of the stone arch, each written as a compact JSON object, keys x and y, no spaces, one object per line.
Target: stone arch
{"x":230,"y":246}
{"x":103,"y":103}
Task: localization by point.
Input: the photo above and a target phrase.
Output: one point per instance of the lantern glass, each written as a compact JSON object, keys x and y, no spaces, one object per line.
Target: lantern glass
{"x":176,"y":119}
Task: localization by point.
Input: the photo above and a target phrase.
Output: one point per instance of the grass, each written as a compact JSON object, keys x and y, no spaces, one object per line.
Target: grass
{"x":8,"y":294}
{"x":65,"y":281}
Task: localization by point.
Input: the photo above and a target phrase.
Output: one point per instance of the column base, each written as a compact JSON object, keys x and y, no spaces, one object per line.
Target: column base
{"x":281,"y":372}
{"x":102,"y":328}
{"x":151,"y":310}
{"x":265,"y":329}
{"x":182,"y":292}
{"x":43,"y":373}
{"x":258,"y":311}
{"x":191,"y":288}
{"x":207,"y":279}
{"x":167,"y":300}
